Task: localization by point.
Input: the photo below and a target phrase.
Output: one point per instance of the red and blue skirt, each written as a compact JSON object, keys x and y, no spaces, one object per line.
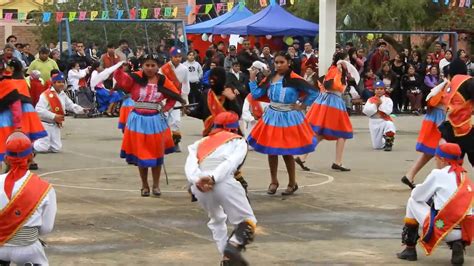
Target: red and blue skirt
{"x":328,"y":117}
{"x":429,"y":136}
{"x":30,"y":125}
{"x":282,"y":133}
{"x":146,"y":139}
{"x":127,"y":106}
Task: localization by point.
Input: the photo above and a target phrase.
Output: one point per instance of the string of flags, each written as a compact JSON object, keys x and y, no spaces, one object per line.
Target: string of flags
{"x":142,"y":13}
{"x":456,"y":3}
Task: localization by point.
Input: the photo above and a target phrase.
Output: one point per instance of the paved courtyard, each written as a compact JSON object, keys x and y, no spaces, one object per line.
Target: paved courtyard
{"x":335,"y":218}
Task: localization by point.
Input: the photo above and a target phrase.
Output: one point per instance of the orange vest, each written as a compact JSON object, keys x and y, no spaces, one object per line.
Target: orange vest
{"x":255,"y":106}
{"x":216,"y":106}
{"x":9,"y":85}
{"x":335,"y":76}
{"x":168,"y":71}
{"x":22,"y":206}
{"x":54,"y":101}
{"x":459,"y":110}
{"x":437,"y":226}
{"x":212,"y":142}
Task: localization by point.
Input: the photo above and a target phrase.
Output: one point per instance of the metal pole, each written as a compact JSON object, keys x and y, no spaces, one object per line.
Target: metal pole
{"x":104,"y":3}
{"x":185,"y":38}
{"x":147,"y":38}
{"x":60,"y":36}
{"x":68,"y":36}
{"x":125,"y":3}
{"x":105,"y":33}
{"x":175,"y":34}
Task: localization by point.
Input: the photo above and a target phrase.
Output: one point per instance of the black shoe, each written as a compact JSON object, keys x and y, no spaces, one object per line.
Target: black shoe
{"x":457,"y":255}
{"x":301,"y":164}
{"x":33,"y":166}
{"x":407,"y":182}
{"x":409,"y":253}
{"x":340,"y":168}
{"x":290,"y":190}
{"x":235,"y":255}
{"x":387,"y":148}
{"x":177,"y":148}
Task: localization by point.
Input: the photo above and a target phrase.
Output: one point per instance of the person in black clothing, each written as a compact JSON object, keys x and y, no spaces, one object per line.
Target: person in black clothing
{"x":246,"y":57}
{"x":399,"y":67}
{"x":412,"y":84}
{"x":238,"y":81}
{"x":80,"y":56}
{"x":392,"y":84}
{"x":295,"y":64}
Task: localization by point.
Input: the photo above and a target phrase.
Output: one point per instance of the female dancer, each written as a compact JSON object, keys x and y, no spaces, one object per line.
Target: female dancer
{"x":147,"y":136}
{"x":429,"y":136}
{"x":328,"y":116}
{"x":16,"y":110}
{"x":283,"y":129}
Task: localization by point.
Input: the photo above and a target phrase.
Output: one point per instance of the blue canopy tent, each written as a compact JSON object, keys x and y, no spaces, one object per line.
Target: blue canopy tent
{"x":236,"y":14}
{"x":273,"y":20}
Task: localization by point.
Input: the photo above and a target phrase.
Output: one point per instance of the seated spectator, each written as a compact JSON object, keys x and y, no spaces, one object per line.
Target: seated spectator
{"x":43,"y":64}
{"x":231,"y":58}
{"x":412,"y":84}
{"x":75,"y":74}
{"x":448,"y":57}
{"x":369,"y":82}
{"x":392,"y":85}
{"x":107,"y":100}
{"x":431,"y":80}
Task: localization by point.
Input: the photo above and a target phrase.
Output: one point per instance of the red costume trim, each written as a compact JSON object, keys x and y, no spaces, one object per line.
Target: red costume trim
{"x":255,"y":107}
{"x":212,"y":142}
{"x":171,"y":75}
{"x":216,"y":106}
{"x":22,"y":206}
{"x":459,"y":110}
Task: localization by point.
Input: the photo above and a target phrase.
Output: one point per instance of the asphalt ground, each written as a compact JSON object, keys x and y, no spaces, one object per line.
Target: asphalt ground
{"x":350,"y":218}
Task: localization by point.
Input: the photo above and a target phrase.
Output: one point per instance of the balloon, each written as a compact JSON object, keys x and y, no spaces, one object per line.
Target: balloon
{"x":204,"y":37}
{"x":370,"y":36}
{"x":241,"y":40}
{"x":210,"y":38}
{"x":268,"y":37}
{"x":223,"y":36}
{"x":181,"y":38}
{"x":288,"y":41}
{"x":347,"y":20}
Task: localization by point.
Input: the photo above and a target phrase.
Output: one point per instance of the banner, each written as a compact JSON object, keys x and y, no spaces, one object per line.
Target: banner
{"x":282,"y":2}
{"x":104,"y":15}
{"x":59,"y":16}
{"x":208,"y":8}
{"x":219,"y":7}
{"x":82,"y":15}
{"x":120,"y":14}
{"x":156,"y":12}
{"x":175,"y":12}
{"x":46,"y":17}
{"x":72,"y":16}
{"x":230,"y":5}
{"x":168,"y":11}
{"x":188,"y":10}
{"x":21,"y":16}
{"x":263,"y":3}
{"x":133,"y":13}
{"x":196,"y":9}
{"x":94,"y":14}
{"x":8,"y":16}
{"x":144,"y":13}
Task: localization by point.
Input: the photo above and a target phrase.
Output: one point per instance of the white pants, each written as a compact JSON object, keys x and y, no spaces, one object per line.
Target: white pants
{"x":378,"y":127}
{"x":246,"y":128}
{"x":174,"y":119}
{"x":50,"y":143}
{"x":227,"y":200}
{"x":420,"y":210}
{"x":23,"y":254}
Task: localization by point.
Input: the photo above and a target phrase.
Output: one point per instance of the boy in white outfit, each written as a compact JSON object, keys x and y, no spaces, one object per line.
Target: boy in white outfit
{"x":210,"y":168}
{"x":378,"y":108}
{"x":252,"y":111}
{"x":51,"y":108}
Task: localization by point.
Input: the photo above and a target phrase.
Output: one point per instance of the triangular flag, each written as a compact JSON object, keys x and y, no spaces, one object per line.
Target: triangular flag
{"x":292,"y":2}
{"x":188,"y":10}
{"x":208,"y":8}
{"x":120,"y":13}
{"x":59,"y":16}
{"x":435,"y":1}
{"x":168,"y":11}
{"x":94,"y":14}
{"x":468,"y":3}
{"x":230,"y":5}
{"x":263,"y":3}
{"x":82,"y":15}
{"x":175,"y":12}
{"x":446,"y":2}
{"x":241,"y":6}
{"x":196,"y":9}
{"x":21,"y":16}
{"x":219,"y":7}
{"x":156,"y":12}
{"x":105,"y":14}
{"x":282,"y":2}
{"x":8,"y":16}
{"x":143,"y":13}
{"x":461,"y":3}
{"x":133,"y":13}
{"x":72,"y":16}
{"x":46,"y":17}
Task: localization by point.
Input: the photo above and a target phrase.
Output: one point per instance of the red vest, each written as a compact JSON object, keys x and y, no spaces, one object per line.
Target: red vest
{"x":212,"y":142}
{"x":168,"y":71}
{"x":459,"y":110}
{"x":216,"y":106}
{"x":255,"y":107}
{"x":22,"y":206}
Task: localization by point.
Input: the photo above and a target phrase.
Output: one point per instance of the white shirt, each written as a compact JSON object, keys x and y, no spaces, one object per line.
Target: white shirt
{"x":43,"y":108}
{"x":44,"y":215}
{"x":181,"y":73}
{"x":442,"y":63}
{"x":371,"y":109}
{"x":221,"y":163}
{"x":247,"y":112}
{"x":73,"y":77}
{"x":194,"y":71}
{"x":439,"y":184}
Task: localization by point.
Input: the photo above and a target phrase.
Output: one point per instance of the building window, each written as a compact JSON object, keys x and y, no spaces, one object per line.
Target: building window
{"x":14,"y":11}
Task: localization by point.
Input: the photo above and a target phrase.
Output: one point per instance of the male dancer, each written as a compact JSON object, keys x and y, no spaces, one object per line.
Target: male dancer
{"x":210,"y":168}
{"x":178,"y":74}
{"x":449,"y":217}
{"x":27,"y":206}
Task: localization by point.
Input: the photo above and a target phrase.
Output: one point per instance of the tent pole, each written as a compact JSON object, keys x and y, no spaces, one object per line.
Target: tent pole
{"x":327,"y":34}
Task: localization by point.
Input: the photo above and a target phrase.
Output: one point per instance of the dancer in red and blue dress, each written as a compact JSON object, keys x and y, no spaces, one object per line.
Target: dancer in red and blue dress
{"x":328,"y":115}
{"x":147,"y":137}
{"x":429,"y":136}
{"x":283,"y":129}
{"x":16,"y":110}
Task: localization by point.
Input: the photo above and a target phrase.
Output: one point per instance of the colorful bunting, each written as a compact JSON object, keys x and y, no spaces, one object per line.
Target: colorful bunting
{"x":94,"y":14}
{"x":156,"y":12}
{"x":196,"y":9}
{"x":133,"y":13}
{"x":144,"y":13}
{"x":461,"y":3}
{"x":46,"y":17}
{"x":263,"y":3}
{"x":72,"y":16}
{"x":282,"y":2}
{"x":8,"y":16}
{"x":188,"y":10}
{"x":208,"y":8}
{"x":21,"y":16}
{"x":82,"y":15}
{"x":292,"y":2}
{"x":168,"y":11}
{"x":59,"y":16}
{"x":104,"y":15}
{"x":175,"y":12}
{"x":120,"y":14}
{"x":230,"y":5}
{"x":219,"y":7}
